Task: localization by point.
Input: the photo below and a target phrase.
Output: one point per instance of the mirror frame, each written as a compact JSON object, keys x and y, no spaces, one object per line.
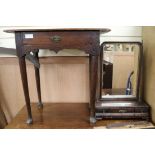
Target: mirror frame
{"x":139,"y":78}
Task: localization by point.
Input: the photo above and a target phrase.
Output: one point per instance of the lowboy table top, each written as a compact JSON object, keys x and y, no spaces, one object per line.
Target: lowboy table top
{"x":102,"y":30}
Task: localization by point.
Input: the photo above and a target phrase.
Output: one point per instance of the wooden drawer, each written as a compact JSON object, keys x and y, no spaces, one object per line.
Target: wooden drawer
{"x":61,"y":39}
{"x":116,"y":110}
{"x":143,"y":116}
{"x":122,"y":110}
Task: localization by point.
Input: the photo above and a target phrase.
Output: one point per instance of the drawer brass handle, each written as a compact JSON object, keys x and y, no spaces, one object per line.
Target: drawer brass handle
{"x":56,"y":38}
{"x":122,"y":111}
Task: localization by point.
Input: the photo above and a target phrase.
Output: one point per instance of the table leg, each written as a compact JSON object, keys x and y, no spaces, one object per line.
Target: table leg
{"x":93,"y":64}
{"x":23,"y":73}
{"x":37,"y":76}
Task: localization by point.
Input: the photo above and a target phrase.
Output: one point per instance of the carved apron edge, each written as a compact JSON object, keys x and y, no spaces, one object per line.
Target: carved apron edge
{"x":92,"y":50}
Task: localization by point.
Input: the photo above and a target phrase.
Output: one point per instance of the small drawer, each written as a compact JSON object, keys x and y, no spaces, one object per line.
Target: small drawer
{"x":117,"y":110}
{"x":61,"y":39}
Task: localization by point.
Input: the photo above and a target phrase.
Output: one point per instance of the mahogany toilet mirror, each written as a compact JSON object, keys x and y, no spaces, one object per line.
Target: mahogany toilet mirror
{"x":120,"y":81}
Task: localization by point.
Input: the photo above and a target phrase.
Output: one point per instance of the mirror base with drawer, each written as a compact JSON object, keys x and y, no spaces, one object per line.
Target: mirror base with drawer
{"x":122,"y":110}
{"x":120,"y":82}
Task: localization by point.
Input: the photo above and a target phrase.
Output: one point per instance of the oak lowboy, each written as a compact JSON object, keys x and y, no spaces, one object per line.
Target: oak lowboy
{"x":29,"y":41}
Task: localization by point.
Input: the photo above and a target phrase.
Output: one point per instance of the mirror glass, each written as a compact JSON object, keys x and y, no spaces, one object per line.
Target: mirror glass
{"x":120,"y":69}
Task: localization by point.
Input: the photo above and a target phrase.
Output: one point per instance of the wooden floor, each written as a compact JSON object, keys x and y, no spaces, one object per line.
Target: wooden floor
{"x":58,"y":116}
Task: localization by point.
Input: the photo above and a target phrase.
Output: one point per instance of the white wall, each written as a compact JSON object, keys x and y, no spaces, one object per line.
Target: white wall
{"x":123,"y":33}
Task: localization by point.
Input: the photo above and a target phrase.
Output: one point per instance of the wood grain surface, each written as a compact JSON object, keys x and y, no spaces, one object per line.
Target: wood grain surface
{"x":58,"y":116}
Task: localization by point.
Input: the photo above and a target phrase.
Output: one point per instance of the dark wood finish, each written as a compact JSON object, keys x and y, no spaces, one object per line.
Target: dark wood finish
{"x":37,"y":77}
{"x":100,"y":78}
{"x":102,"y":30}
{"x":82,"y":40}
{"x":122,"y":108}
{"x":58,"y":116}
{"x":58,"y":39}
{"x":107,"y":76}
{"x":93,"y":86}
{"x":23,"y":72}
